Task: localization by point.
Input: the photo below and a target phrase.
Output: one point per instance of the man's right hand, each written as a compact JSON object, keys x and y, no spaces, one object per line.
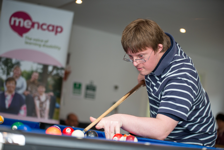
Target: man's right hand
{"x":26,"y":93}
{"x":111,"y":125}
{"x":140,"y":78}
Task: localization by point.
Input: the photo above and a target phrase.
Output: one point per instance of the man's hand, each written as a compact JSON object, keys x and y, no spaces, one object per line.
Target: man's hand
{"x":140,"y":78}
{"x":51,"y":93}
{"x":111,"y":125}
{"x":26,"y":93}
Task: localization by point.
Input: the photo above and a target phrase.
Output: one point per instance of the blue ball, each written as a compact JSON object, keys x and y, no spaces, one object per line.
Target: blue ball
{"x":91,"y":133}
{"x":24,"y":128}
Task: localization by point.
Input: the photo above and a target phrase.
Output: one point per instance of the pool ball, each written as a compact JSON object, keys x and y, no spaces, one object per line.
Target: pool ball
{"x":57,"y":127}
{"x":16,"y":125}
{"x":131,"y":138}
{"x":1,"y":119}
{"x":125,"y":136}
{"x":67,"y":131}
{"x":53,"y":131}
{"x":78,"y":134}
{"x":24,"y":127}
{"x":91,"y":134}
{"x":118,"y":137}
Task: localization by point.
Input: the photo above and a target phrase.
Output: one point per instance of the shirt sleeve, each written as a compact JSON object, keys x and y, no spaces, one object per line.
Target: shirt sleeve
{"x":23,"y":86}
{"x":5,"y":88}
{"x":171,"y":116}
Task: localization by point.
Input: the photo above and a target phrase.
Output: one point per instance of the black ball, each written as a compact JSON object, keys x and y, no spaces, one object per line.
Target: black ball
{"x":91,"y":134}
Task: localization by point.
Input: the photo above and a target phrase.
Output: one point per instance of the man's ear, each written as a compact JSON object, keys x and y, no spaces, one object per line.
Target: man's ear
{"x":160,"y":47}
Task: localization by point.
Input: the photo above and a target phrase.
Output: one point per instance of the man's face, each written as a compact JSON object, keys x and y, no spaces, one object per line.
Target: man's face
{"x":73,"y":121}
{"x":220,"y":124}
{"x":10,"y":85}
{"x":152,"y":58}
{"x":35,"y":76}
{"x":16,"y":72}
{"x":41,"y":90}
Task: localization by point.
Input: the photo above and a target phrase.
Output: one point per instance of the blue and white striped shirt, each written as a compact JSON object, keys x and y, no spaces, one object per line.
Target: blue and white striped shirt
{"x":174,"y":88}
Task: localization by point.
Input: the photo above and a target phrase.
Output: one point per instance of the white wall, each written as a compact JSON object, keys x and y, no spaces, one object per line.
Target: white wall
{"x":97,"y":56}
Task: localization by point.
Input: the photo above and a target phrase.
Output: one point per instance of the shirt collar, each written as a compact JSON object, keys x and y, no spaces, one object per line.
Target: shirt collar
{"x":166,"y":58}
{"x":7,"y":94}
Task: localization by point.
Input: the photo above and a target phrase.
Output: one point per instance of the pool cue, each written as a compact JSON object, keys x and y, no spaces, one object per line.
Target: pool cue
{"x":114,"y":106}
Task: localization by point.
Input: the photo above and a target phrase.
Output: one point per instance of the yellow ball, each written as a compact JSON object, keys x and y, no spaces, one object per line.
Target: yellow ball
{"x":1,"y":119}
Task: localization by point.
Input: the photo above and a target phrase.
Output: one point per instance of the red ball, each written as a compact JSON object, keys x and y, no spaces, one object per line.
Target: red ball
{"x":125,"y":136}
{"x":53,"y":130}
{"x":118,"y":137}
{"x":131,"y":138}
{"x":68,"y":131}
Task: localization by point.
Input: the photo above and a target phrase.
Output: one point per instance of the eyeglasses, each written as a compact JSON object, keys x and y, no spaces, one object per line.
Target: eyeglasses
{"x":139,"y":60}
{"x":10,"y":83}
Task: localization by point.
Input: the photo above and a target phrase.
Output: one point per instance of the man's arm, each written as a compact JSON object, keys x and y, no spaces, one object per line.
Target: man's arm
{"x":47,"y":108}
{"x":156,"y":128}
{"x":23,"y":88}
{"x":26,"y":92}
{"x":37,"y":107}
{"x":140,"y":78}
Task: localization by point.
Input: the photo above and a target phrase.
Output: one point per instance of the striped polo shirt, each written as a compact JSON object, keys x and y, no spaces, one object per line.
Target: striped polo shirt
{"x":174,"y":89}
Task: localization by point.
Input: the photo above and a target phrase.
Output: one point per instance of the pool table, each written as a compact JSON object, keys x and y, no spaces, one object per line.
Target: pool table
{"x":36,"y":139}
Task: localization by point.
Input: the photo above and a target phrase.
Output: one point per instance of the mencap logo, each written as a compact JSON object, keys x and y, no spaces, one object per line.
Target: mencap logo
{"x":21,"y":23}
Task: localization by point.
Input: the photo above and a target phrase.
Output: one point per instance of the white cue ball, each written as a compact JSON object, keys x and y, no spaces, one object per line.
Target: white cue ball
{"x":78,"y":134}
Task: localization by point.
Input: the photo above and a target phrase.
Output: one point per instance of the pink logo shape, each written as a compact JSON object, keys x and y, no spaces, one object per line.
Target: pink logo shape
{"x":20,"y":22}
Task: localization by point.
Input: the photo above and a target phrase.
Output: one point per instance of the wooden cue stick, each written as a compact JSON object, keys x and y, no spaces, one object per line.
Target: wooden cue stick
{"x":114,"y":106}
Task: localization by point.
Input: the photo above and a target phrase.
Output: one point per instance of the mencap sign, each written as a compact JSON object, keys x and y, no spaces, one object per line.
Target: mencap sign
{"x":21,"y":23}
{"x":27,"y":33}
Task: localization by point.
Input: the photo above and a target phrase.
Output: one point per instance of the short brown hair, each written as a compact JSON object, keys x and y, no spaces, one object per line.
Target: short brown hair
{"x":41,"y":84}
{"x":9,"y":80}
{"x":16,"y":66}
{"x":143,"y":33}
{"x":220,"y":116}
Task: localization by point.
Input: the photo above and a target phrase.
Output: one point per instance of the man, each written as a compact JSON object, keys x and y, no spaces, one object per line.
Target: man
{"x":32,"y":84}
{"x":179,"y":107}
{"x":220,"y":131}
{"x":10,"y":101}
{"x":20,"y":81}
{"x":31,"y":92}
{"x":72,"y":120}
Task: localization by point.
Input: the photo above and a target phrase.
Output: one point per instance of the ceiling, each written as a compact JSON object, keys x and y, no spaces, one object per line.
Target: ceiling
{"x":203,"y":19}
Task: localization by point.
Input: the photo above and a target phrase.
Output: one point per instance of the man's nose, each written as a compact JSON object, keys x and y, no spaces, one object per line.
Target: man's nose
{"x":135,"y":63}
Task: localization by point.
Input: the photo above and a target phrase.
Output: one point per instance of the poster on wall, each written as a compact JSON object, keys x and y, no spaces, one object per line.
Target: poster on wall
{"x":33,"y":50}
{"x":90,"y":91}
{"x":37,"y":89}
{"x":34,"y":33}
{"x":77,"y":88}
{"x":84,"y":90}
